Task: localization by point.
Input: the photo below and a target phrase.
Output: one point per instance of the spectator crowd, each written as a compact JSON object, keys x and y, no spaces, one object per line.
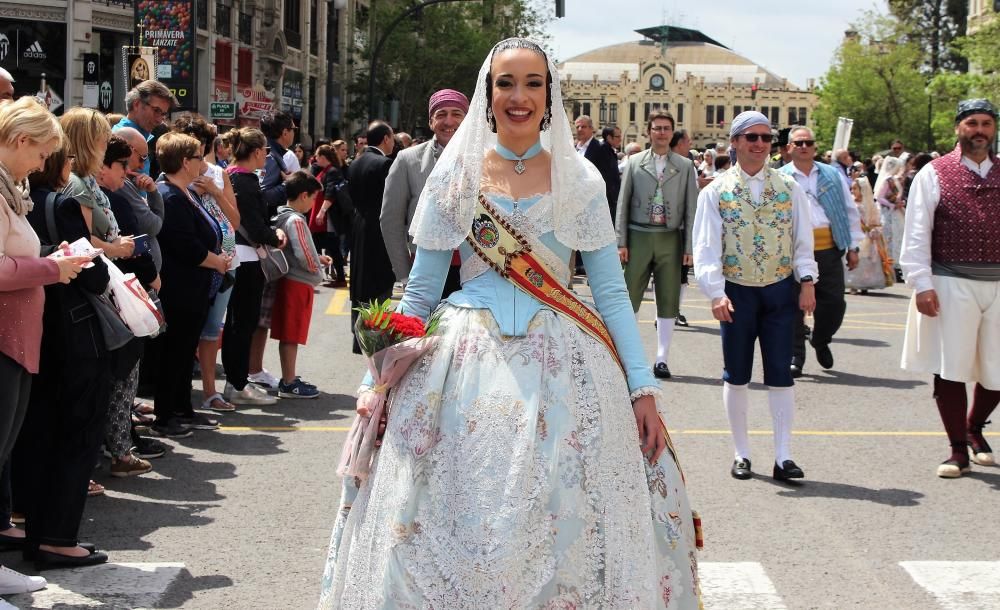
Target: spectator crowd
{"x":225,"y":236}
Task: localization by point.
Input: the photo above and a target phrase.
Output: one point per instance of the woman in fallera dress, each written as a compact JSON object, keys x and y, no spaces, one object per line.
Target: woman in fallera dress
{"x":520,"y":467}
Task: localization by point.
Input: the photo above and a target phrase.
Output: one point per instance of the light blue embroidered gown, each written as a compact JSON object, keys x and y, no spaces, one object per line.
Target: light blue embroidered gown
{"x":510,"y":474}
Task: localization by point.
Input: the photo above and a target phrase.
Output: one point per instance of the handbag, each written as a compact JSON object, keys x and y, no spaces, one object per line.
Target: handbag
{"x":113,"y":328}
{"x":273,"y":262}
{"x":134,"y":304}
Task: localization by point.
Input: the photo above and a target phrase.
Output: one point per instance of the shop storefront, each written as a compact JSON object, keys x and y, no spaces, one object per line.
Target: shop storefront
{"x":31,"y":51}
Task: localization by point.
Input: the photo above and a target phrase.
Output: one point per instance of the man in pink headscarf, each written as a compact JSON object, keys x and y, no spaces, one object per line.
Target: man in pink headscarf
{"x":409,"y":172}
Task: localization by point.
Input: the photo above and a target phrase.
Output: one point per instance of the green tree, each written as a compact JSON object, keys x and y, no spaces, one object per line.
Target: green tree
{"x":441,"y":46}
{"x":982,"y":50}
{"x":875,"y":80}
{"x":934,"y":25}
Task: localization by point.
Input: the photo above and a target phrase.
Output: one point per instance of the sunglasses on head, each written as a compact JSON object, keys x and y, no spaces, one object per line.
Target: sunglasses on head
{"x":753,"y":137}
{"x":801,"y":143}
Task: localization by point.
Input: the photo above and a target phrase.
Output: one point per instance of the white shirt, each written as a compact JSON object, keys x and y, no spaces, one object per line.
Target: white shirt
{"x":582,"y":148}
{"x":818,"y":214}
{"x":707,"y":236}
{"x":925,"y":194}
{"x":661,"y":163}
{"x":291,"y":161}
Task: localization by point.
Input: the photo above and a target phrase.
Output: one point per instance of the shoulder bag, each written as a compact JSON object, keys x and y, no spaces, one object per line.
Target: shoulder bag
{"x":113,"y":328}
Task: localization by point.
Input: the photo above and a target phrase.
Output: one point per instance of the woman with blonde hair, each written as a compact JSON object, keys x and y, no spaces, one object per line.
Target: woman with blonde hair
{"x":250,"y":150}
{"x":28,"y":135}
{"x":87,"y":134}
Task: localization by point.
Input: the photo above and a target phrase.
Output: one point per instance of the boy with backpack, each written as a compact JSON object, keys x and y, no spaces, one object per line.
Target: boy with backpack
{"x":293,"y":301}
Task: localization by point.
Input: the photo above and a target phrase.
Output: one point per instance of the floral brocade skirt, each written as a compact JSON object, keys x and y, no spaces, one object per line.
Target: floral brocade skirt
{"x":511,"y":476}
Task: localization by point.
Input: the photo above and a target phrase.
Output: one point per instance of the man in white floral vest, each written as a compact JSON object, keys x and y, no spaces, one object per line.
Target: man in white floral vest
{"x":753,"y":248}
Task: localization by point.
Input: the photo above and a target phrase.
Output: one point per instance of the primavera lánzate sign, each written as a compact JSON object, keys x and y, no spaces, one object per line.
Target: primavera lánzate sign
{"x":169,"y":25}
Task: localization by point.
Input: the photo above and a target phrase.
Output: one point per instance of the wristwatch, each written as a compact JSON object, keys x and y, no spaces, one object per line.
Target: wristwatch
{"x":806,"y":279}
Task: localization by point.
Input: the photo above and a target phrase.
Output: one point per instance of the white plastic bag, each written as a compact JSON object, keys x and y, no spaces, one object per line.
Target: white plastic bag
{"x":134,"y":304}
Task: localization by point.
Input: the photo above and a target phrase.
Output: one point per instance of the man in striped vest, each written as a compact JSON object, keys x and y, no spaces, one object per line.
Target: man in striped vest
{"x":836,"y":226}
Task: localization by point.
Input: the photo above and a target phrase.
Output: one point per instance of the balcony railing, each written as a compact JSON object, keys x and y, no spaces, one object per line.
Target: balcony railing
{"x":223,"y":19}
{"x":246,"y":28}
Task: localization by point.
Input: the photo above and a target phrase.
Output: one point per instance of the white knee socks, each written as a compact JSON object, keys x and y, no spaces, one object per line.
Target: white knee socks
{"x":664,"y":332}
{"x":737,"y":401}
{"x":684,"y":288}
{"x":782,"y":403}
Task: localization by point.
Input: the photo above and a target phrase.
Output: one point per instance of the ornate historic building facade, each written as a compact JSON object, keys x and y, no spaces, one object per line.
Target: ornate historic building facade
{"x":294,"y":55}
{"x":702,"y":83}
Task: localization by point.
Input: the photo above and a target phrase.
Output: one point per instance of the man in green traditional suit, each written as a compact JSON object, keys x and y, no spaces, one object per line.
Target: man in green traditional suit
{"x":656,"y":206}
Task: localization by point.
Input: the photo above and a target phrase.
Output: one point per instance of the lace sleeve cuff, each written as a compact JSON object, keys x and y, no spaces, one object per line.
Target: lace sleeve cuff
{"x":653,"y":391}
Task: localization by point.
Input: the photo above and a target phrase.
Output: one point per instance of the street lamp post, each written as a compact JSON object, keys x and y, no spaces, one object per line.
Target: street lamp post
{"x":381,"y":43}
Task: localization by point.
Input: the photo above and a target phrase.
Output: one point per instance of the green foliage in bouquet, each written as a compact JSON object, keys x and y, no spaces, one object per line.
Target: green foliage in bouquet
{"x":379,"y":327}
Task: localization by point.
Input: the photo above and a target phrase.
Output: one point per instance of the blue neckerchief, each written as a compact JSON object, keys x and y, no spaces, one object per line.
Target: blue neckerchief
{"x":508,"y":154}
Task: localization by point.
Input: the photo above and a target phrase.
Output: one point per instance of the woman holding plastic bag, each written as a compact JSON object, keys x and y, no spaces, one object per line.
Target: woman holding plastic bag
{"x":874,"y":270}
{"x":524,"y":463}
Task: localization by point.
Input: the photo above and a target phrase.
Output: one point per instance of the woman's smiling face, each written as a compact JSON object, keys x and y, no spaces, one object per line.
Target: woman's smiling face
{"x":519,"y":91}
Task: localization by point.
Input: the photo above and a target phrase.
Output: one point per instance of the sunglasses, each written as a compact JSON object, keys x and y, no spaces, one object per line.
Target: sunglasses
{"x":801,"y":143}
{"x":196,"y":157}
{"x":753,"y":137}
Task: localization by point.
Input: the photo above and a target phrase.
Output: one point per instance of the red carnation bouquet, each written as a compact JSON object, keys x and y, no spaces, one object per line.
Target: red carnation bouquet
{"x":391,"y":342}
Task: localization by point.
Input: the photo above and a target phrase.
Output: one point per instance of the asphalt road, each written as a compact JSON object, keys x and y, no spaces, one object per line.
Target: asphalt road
{"x":240,"y":518}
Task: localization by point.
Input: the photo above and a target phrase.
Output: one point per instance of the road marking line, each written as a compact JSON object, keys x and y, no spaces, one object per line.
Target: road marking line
{"x":844,"y":433}
{"x":958,"y":585}
{"x":337,"y":301}
{"x":109,"y":585}
{"x":744,"y":585}
{"x":828,"y":433}
{"x":284,"y":429}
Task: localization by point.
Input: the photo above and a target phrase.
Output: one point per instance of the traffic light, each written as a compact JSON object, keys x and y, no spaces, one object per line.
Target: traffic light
{"x":561,"y":8}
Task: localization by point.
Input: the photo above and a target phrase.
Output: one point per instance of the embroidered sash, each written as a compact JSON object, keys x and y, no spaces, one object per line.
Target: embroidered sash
{"x":498,"y":244}
{"x":509,"y":254}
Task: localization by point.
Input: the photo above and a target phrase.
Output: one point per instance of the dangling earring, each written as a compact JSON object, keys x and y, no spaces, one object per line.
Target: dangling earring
{"x":546,"y":119}
{"x":491,"y":120}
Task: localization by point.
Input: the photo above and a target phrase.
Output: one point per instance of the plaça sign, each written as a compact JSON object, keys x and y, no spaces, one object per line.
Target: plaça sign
{"x":222,"y":110}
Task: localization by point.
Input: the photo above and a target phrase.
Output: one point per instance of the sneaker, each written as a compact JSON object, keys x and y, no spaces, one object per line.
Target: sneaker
{"x":250,"y":395}
{"x":170,"y":429}
{"x":297,"y":389}
{"x":130,"y":467}
{"x":12,"y":583}
{"x":306,"y":383}
{"x":264,"y":379}
{"x":197,"y":421}
{"x":148,"y":448}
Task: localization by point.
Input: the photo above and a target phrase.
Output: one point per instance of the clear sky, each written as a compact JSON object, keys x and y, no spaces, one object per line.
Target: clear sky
{"x":795,"y":39}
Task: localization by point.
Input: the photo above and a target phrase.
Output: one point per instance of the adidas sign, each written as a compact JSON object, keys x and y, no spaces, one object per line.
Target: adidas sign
{"x":35,"y":51}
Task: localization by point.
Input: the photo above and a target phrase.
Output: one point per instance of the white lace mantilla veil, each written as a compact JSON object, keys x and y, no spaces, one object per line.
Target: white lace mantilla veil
{"x":444,"y":213}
